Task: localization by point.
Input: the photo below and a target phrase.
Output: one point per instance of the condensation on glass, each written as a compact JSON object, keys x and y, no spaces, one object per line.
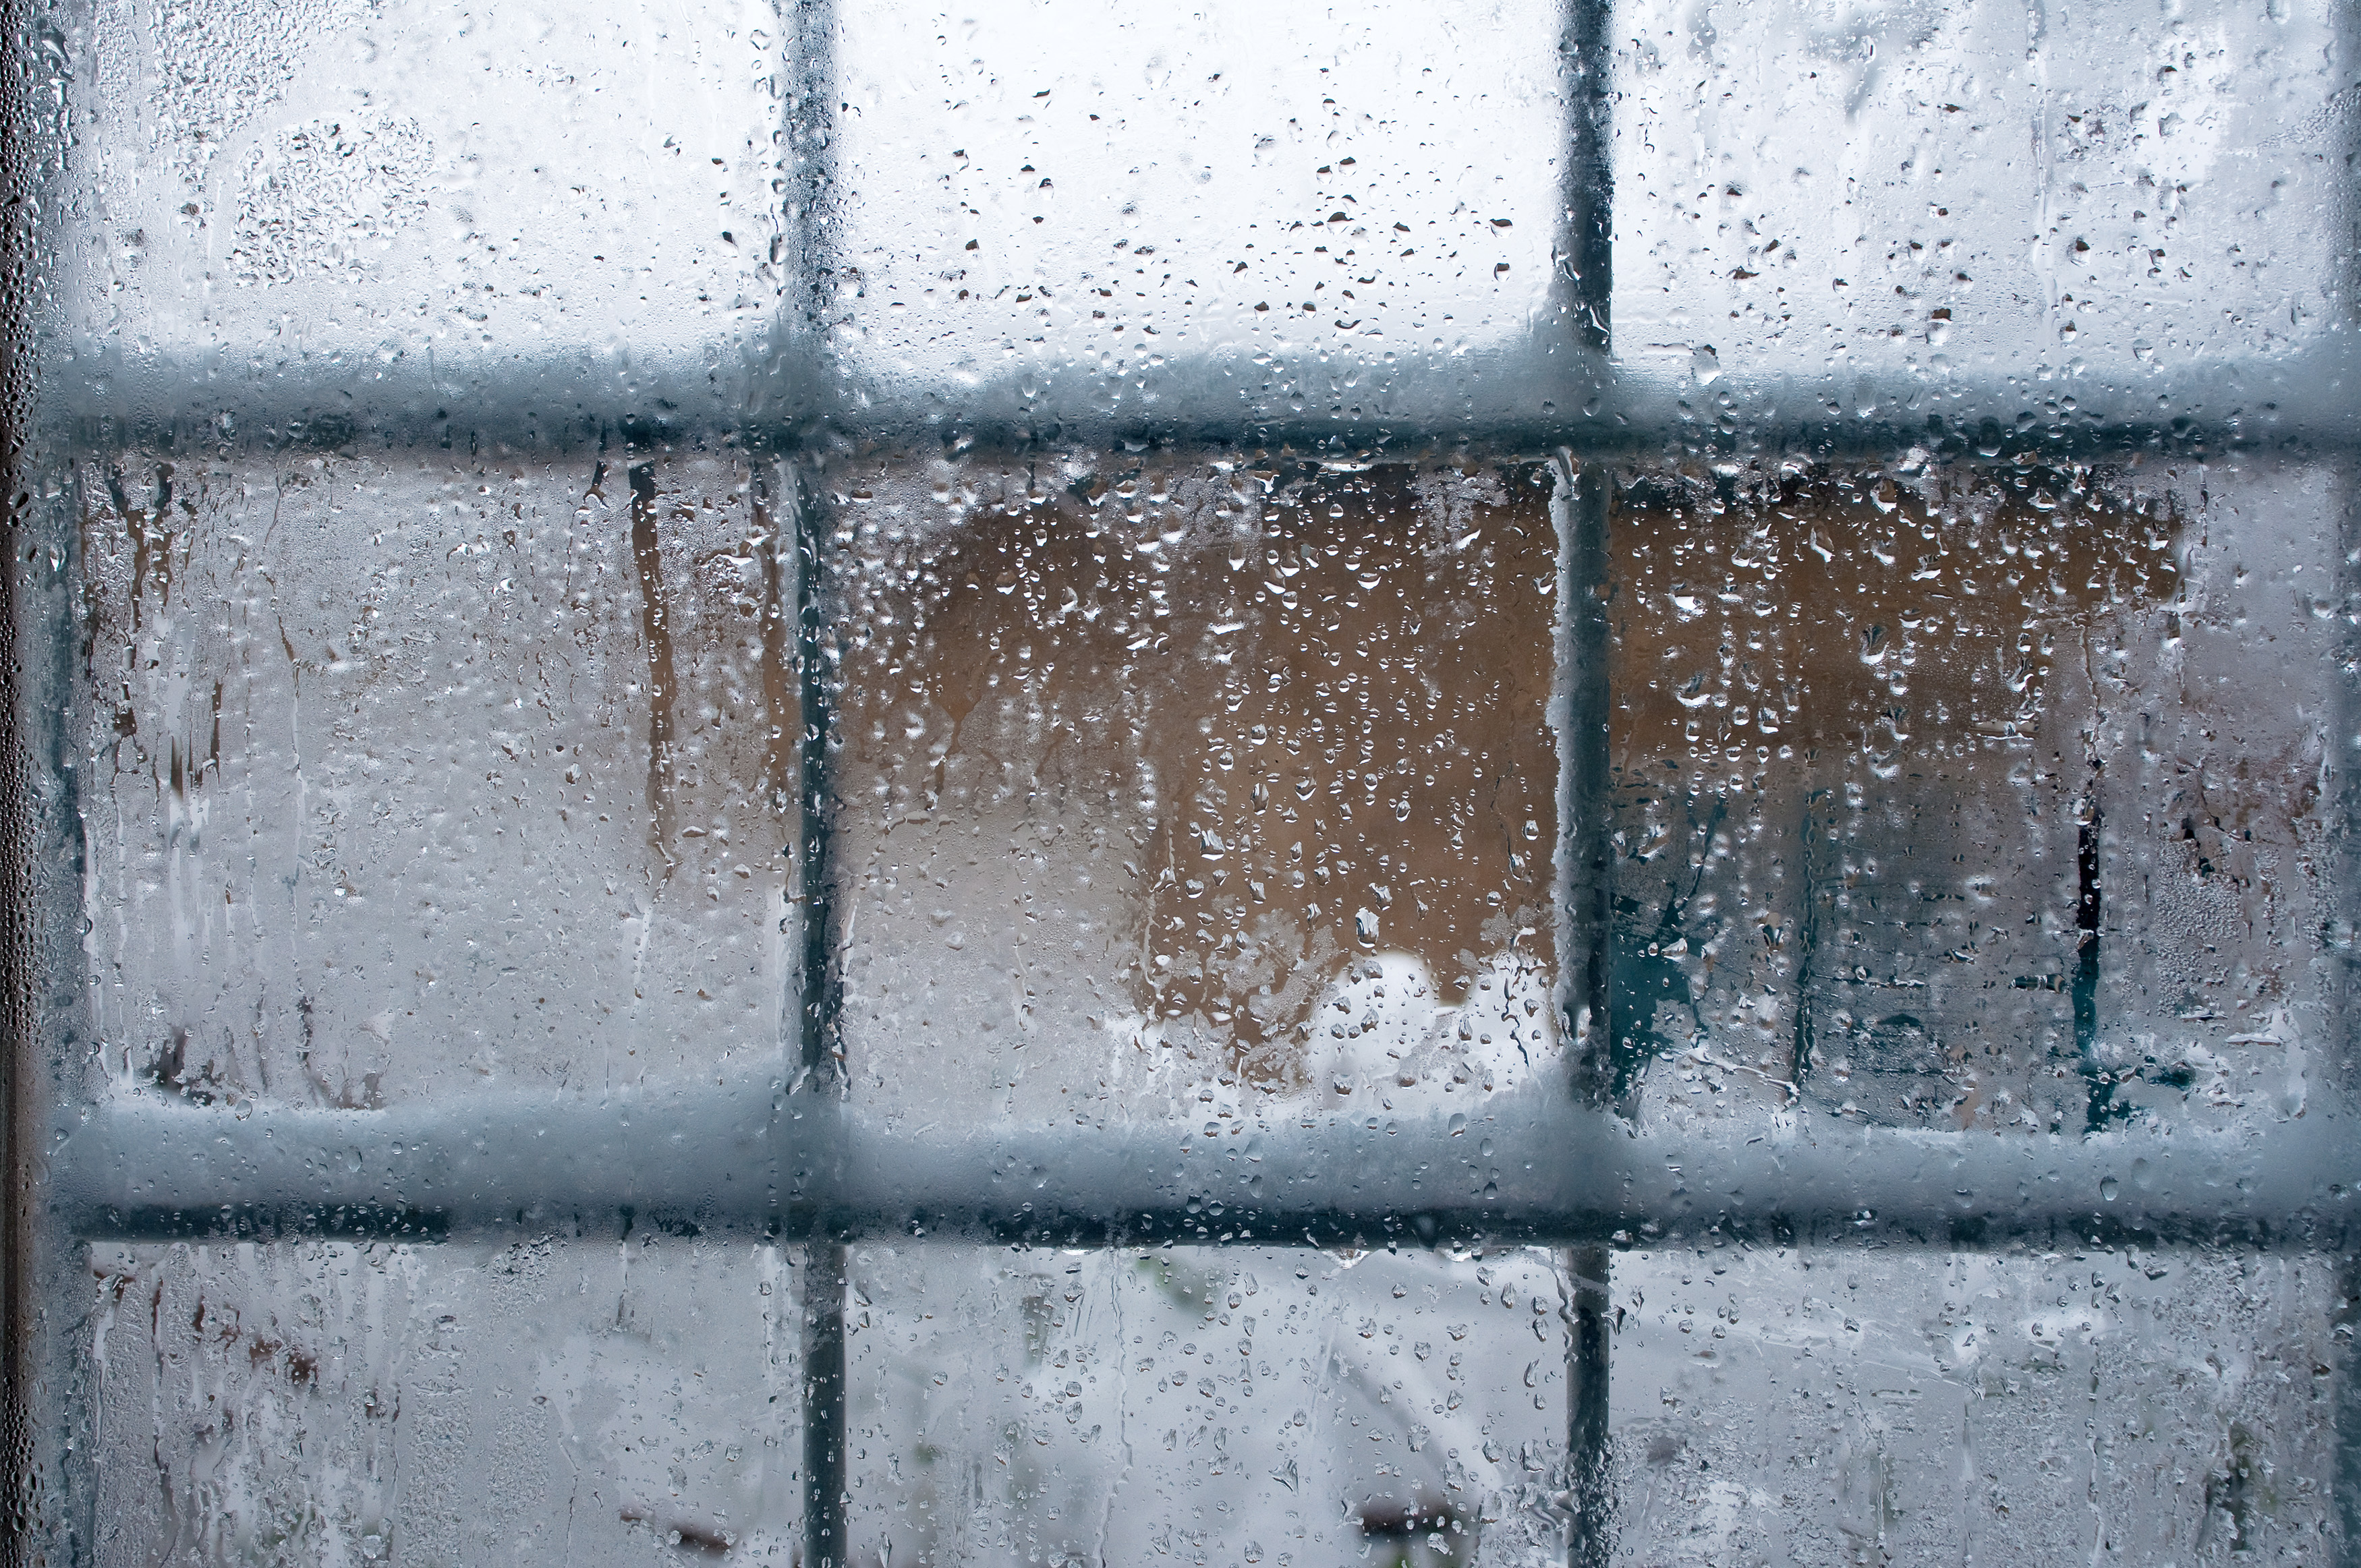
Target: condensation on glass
{"x":1241,"y":1403}
{"x":562,"y":1399}
{"x":300,"y":214}
{"x":408,"y":775}
{"x":2132,"y":212}
{"x":1977,"y":799}
{"x":657,"y":646}
{"x":1226,"y":213}
{"x":1212,"y":791}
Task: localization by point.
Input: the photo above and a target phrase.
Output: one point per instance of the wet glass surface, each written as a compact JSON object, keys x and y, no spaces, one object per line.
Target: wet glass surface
{"x":1951,"y":796}
{"x":410,"y":777}
{"x":1163,"y":779}
{"x":560,"y":1400}
{"x":1895,"y":205}
{"x":1271,"y":1406}
{"x":1099,"y":213}
{"x":1044,"y":785}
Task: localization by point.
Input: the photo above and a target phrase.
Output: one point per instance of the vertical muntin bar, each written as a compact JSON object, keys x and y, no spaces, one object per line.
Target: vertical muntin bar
{"x":1586,"y":890}
{"x":819,"y":1066}
{"x":1585,"y":863}
{"x":1589,"y":1480}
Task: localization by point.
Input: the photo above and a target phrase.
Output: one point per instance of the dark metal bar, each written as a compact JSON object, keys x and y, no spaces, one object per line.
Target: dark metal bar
{"x":2087,"y":909}
{"x":821,"y":991}
{"x":1587,"y":894}
{"x":1586,"y":805}
{"x":1590,"y":1477}
{"x":39,"y":825}
{"x":820,"y":1079}
{"x":827,"y":1543}
{"x":787,"y":390}
{"x":754,"y":1158}
{"x":1586,"y":863}
{"x":1553,"y":393}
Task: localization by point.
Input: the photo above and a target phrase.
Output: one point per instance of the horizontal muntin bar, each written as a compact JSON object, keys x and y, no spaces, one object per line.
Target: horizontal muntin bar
{"x":756,"y":1158}
{"x":2308,"y":402}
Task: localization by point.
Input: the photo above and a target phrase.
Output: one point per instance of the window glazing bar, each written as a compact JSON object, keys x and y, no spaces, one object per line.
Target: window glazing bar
{"x":1527,"y":1167}
{"x":2305,"y":401}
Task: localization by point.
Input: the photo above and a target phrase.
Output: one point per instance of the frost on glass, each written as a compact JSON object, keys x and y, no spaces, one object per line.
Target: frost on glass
{"x":336,"y":202}
{"x":1244,"y":1406}
{"x":404,"y":776}
{"x":560,"y":1401}
{"x":1098,"y":211}
{"x":1977,"y":797}
{"x":2023,"y":1407}
{"x":1161,"y":780}
{"x":2078,"y":204}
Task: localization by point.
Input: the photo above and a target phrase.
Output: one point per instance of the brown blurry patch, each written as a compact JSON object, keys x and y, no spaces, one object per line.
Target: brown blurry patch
{"x":1315,"y":709}
{"x":655,"y":632}
{"x":714,"y":620}
{"x":1843,"y":705}
{"x":1856,"y":616}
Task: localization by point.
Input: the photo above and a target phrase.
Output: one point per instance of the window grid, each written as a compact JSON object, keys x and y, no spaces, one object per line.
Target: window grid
{"x":834,"y":1179}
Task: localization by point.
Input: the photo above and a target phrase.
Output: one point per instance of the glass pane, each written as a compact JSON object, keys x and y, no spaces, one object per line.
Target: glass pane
{"x":561,"y":1400}
{"x":2082,"y":205}
{"x":1228,"y":212}
{"x":1169,"y":788}
{"x":1849,"y":1405}
{"x":1242,"y":1405}
{"x":363,"y":206}
{"x":1978,"y":797}
{"x":460,"y":641}
{"x":413,"y":776}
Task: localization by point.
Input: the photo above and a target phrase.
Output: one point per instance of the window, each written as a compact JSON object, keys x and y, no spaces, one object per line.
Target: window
{"x":1497,"y":783}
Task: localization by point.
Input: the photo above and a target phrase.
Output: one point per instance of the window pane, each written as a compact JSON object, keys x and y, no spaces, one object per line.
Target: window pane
{"x":524,"y":519}
{"x":415,"y":776}
{"x":410,"y":205}
{"x":560,"y":1401}
{"x":1229,"y":212}
{"x":1955,"y":206}
{"x":1240,"y":1404}
{"x":1831,"y":1406}
{"x":1978,"y":797}
{"x":1168,"y":786}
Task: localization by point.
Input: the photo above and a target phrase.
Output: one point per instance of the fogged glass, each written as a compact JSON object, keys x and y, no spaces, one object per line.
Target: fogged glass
{"x":355,"y":201}
{"x":1963,"y":797}
{"x":560,"y":1400}
{"x":1883,"y":206}
{"x":1179,"y":788}
{"x":1223,"y":212}
{"x":1849,"y":1406}
{"x":498,"y":486}
{"x":1241,"y":1404}
{"x":412,"y":776}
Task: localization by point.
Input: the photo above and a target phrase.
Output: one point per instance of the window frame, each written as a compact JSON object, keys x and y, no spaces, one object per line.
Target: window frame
{"x":1580,"y":1178}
